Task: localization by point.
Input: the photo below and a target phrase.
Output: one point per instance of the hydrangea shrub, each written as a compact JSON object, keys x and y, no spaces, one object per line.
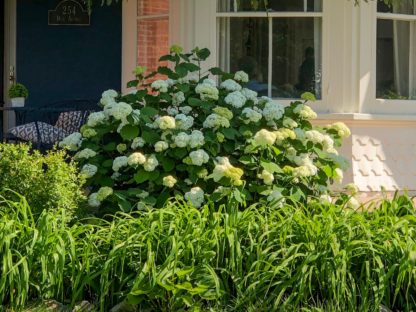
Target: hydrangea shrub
{"x":203,"y":135}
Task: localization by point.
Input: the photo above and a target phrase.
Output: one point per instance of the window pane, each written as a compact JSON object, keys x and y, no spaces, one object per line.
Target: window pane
{"x":400,"y":7}
{"x":395,"y":59}
{"x":296,"y":57}
{"x":243,"y":46}
{"x":273,"y":5}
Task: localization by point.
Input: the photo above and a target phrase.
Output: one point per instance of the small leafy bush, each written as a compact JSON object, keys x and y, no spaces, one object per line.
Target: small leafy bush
{"x":18,"y":90}
{"x":48,"y":181}
{"x":189,"y":136}
{"x":180,"y":258}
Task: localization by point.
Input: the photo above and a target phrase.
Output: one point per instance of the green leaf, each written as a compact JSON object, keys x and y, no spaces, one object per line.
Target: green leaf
{"x":141,"y":176}
{"x":129,"y":132}
{"x":149,"y":111}
{"x":109,"y":148}
{"x":150,"y":137}
{"x":247,"y":160}
{"x":132,"y":83}
{"x":168,"y":164}
{"x":216,"y":71}
{"x":181,"y":70}
{"x":191,"y":67}
{"x":107,"y":163}
{"x":230,"y":133}
{"x":168,"y":57}
{"x":203,"y":54}
{"x":270,"y":166}
{"x":199,"y":103}
{"x":165,"y":71}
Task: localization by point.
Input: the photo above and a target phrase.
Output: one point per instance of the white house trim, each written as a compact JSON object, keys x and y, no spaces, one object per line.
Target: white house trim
{"x":129,"y":42}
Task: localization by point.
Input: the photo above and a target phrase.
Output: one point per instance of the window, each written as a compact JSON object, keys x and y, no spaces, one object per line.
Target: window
{"x":279,"y":46}
{"x":153,"y":32}
{"x":396,"y":50}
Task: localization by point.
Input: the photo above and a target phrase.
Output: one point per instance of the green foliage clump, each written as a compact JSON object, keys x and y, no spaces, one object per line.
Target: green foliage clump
{"x":18,"y":90}
{"x":179,"y":258}
{"x":192,"y":136}
{"x":48,"y":181}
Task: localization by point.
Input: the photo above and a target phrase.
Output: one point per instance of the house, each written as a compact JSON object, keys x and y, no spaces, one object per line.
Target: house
{"x":359,"y":61}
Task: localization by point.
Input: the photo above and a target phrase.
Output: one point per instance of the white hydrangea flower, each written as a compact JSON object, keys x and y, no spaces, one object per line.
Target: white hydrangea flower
{"x":273,"y":111}
{"x":88,"y":132}
{"x":121,"y":148}
{"x":96,"y":118}
{"x":235,"y":99}
{"x":267,"y":177}
{"x":195,"y":196}
{"x":300,"y":134}
{"x":325,"y":199}
{"x":289,"y":123}
{"x":306,"y":167}
{"x":136,"y":158}
{"x":241,"y":76}
{"x":191,"y":77}
{"x":196,"y":139}
{"x":165,"y":122}
{"x":110,"y":94}
{"x":210,"y":82}
{"x":160,"y":85}
{"x":85,"y":154}
{"x":104,"y":192}
{"x":136,"y":116}
{"x":207,"y":92}
{"x":93,"y":200}
{"x":185,"y":109}
{"x":250,"y":95}
{"x":339,"y":175}
{"x":352,"y":188}
{"x":216,"y":121}
{"x":264,"y":138}
{"x":72,"y":142}
{"x":115,"y":175}
{"x":106,"y":101}
{"x":119,"y":111}
{"x":161,"y":146}
{"x":178,"y":98}
{"x":119,"y":162}
{"x":184,"y":122}
{"x":170,"y":82}
{"x":199,"y":157}
{"x":89,"y":170}
{"x":151,"y":163}
{"x":169,"y":181}
{"x":182,"y":139}
{"x":230,"y":85}
{"x":137,"y":142}
{"x":353,"y":203}
{"x":223,"y":168}
{"x":305,"y":112}
{"x":251,"y":115}
{"x":172,"y":111}
{"x":341,"y":128}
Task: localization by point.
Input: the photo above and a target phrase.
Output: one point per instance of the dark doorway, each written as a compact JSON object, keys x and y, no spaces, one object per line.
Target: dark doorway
{"x":1,"y":53}
{"x":66,"y":62}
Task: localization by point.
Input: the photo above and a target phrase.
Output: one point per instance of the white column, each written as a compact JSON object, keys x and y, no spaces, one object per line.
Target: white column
{"x":129,"y":42}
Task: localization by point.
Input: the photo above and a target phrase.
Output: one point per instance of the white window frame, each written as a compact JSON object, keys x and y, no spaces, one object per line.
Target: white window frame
{"x":368,"y":65}
{"x":320,"y":105}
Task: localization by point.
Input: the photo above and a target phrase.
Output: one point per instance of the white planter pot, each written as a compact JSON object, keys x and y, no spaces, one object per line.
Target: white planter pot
{"x":18,"y":102}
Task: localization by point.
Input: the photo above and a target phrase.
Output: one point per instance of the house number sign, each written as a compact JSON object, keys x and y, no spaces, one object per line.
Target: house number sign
{"x":69,"y":12}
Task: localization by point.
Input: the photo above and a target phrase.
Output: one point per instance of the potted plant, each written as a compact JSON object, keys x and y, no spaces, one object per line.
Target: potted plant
{"x":18,"y":93}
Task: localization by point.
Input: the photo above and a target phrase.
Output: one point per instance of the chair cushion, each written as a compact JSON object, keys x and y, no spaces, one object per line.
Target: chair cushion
{"x":48,"y":133}
{"x":70,"y":121}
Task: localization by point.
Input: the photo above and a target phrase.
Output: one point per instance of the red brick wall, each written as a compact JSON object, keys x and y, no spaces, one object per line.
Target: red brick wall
{"x":153,"y":33}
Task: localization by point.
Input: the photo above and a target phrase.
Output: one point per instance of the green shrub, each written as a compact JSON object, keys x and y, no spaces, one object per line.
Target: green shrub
{"x":18,"y":90}
{"x":48,"y":181}
{"x":188,"y":136}
{"x":179,"y":258}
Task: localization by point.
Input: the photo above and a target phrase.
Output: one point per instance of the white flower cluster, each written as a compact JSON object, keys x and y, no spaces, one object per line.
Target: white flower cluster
{"x":267,"y":177}
{"x":207,"y":91}
{"x":216,"y":121}
{"x":85,"y":154}
{"x":250,"y":95}
{"x":230,"y":85}
{"x":95,"y":199}
{"x":342,"y":130}
{"x":160,"y":85}
{"x":120,"y":162}
{"x":178,"y":98}
{"x":184,"y":122}
{"x":223,"y":168}
{"x":169,"y":181}
{"x":135,"y":159}
{"x":273,"y":111}
{"x":251,"y":115}
{"x":305,"y":112}
{"x":306,"y":167}
{"x":161,"y":146}
{"x":195,"y":196}
{"x":137,"y":142}
{"x":235,"y":99}
{"x":96,"y":118}
{"x":264,"y":138}
{"x":165,"y":122}
{"x":326,"y":141}
{"x":108,"y":97}
{"x":151,"y":163}
{"x":89,"y":170}
{"x":241,"y":76}
{"x":119,"y":111}
{"x":199,"y":157}
{"x":289,"y":123}
{"x":72,"y":142}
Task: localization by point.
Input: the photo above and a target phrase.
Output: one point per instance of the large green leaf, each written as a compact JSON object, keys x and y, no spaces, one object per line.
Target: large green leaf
{"x":129,"y":132}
